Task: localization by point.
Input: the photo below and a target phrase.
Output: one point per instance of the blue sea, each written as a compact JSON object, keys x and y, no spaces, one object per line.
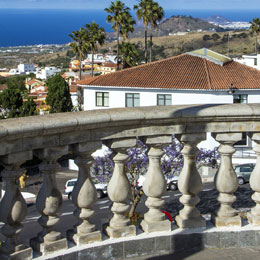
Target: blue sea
{"x":38,"y":26}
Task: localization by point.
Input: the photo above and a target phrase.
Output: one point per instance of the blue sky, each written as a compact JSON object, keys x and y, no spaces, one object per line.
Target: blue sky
{"x":101,"y":4}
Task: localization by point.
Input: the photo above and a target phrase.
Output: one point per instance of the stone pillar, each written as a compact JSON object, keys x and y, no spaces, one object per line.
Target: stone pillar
{"x":84,"y":195}
{"x":190,"y":183}
{"x":254,"y":215}
{"x":155,"y":186}
{"x":13,"y":208}
{"x":48,"y":202}
{"x":226,"y":182}
{"x":119,"y":191}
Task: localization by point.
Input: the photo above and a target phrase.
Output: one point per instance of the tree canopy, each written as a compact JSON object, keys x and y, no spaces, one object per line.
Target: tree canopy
{"x":122,"y":22}
{"x":58,"y":96}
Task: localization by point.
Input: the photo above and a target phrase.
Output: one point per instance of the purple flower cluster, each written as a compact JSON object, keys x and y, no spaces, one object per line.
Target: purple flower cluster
{"x":137,"y":163}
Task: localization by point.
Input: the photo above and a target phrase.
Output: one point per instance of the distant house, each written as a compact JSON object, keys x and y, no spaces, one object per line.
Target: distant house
{"x":252,"y":60}
{"x":26,"y":68}
{"x":107,"y":68}
{"x":47,"y":72}
{"x":198,"y":77}
{"x":32,"y":83}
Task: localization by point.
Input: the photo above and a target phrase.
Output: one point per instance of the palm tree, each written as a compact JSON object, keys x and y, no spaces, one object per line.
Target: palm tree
{"x":120,"y":18}
{"x":143,"y":13}
{"x":156,"y":15}
{"x":95,"y":36}
{"x":80,"y":46}
{"x":255,"y":28}
{"x":129,"y":55}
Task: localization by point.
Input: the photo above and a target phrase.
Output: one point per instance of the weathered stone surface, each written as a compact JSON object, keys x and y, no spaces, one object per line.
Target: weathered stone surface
{"x":139,"y":247}
{"x":148,"y":227}
{"x":25,"y":254}
{"x":105,"y":252}
{"x":48,"y":247}
{"x":83,"y":239}
{"x":114,"y":232}
{"x":226,"y":221}
{"x":163,"y":244}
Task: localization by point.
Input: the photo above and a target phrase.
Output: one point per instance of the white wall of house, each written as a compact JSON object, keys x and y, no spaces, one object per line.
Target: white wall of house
{"x":149,"y":97}
{"x":24,"y":68}
{"x":252,"y":60}
{"x":47,"y":72}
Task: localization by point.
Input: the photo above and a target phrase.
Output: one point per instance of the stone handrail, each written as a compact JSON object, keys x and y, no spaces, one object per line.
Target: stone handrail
{"x":51,"y":136}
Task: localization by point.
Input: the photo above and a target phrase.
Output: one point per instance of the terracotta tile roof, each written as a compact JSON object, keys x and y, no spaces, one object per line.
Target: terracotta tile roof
{"x":182,"y":72}
{"x":109,"y":64}
{"x":74,"y":88}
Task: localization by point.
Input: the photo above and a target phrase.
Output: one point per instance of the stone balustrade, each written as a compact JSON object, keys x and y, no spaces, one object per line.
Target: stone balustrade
{"x":51,"y":136}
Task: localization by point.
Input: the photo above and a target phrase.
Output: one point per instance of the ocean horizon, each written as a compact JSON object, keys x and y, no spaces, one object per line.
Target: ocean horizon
{"x":19,"y":27}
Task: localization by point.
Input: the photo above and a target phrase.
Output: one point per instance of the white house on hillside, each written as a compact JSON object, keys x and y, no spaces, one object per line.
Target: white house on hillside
{"x":198,"y":77}
{"x":252,"y":60}
{"x":26,"y":68}
{"x":47,"y":72}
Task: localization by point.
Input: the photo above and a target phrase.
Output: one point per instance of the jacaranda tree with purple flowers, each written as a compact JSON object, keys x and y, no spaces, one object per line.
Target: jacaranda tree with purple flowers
{"x":137,"y":164}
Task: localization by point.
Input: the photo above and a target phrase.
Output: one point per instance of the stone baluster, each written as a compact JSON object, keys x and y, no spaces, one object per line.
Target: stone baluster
{"x":190,"y":183}
{"x":13,"y":208}
{"x":155,"y":186}
{"x":48,"y":202}
{"x":84,"y":195}
{"x":119,"y":191}
{"x":226,"y":182}
{"x":254,"y":215}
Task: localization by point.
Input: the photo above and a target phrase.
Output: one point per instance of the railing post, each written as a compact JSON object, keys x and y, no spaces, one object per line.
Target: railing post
{"x":84,"y":195}
{"x":48,"y":202}
{"x":155,"y":186}
{"x":190,"y":183}
{"x":13,"y":208}
{"x":254,"y":215}
{"x":226,"y":182}
{"x":119,"y":191}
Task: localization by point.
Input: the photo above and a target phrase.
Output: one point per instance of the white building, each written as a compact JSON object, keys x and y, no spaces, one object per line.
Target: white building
{"x":47,"y":72}
{"x":198,"y":77}
{"x":251,"y":60}
{"x":26,"y":68}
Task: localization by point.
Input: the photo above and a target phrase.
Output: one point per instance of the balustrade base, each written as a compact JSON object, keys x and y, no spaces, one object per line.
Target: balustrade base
{"x":25,"y":254}
{"x":82,"y":239}
{"x":226,"y":222}
{"x":199,"y":222}
{"x":127,"y":231}
{"x":149,"y":227}
{"x":48,"y":247}
{"x":253,"y":220}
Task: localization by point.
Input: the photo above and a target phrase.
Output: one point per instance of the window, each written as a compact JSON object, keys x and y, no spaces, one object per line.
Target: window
{"x":240,"y":98}
{"x":164,"y":99}
{"x":132,"y":99}
{"x":102,"y":99}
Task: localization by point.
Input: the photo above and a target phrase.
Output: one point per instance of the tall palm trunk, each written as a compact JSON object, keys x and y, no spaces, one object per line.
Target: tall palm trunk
{"x":80,"y":60}
{"x":117,"y":51}
{"x":151,"y":43}
{"x":256,"y":44}
{"x":145,"y":43}
{"x":92,"y":64}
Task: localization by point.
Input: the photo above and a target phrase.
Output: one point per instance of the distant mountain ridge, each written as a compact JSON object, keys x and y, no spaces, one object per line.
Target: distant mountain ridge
{"x":177,"y":24}
{"x":217,"y":19}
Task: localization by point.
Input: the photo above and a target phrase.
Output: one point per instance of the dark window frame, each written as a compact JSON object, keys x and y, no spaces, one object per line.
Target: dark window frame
{"x":164,"y":99}
{"x":102,"y":99}
{"x":133,"y":98}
